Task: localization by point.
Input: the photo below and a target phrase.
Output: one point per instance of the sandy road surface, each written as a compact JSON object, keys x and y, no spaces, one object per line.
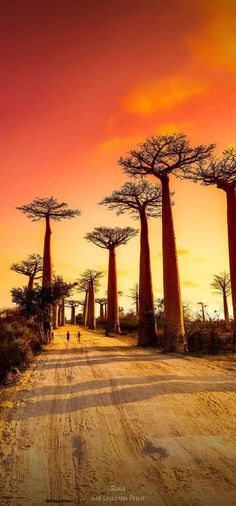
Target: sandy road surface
{"x":105,"y":422}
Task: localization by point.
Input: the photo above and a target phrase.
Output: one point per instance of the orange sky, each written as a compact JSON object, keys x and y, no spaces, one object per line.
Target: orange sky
{"x":81,"y":83}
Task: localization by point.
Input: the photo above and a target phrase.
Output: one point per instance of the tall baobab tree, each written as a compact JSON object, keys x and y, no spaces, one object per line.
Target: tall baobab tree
{"x":102,"y":301}
{"x":142,"y":200}
{"x":72,"y":304}
{"x":91,"y":279}
{"x":49,"y":209}
{"x":221,"y":284}
{"x":221,"y":172}
{"x":111,"y":238}
{"x":29,"y":267}
{"x":161,"y":156}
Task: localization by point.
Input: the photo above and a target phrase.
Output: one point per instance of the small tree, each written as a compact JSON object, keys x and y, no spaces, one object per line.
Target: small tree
{"x":203,"y":306}
{"x":72,"y":304}
{"x":161,"y":156}
{"x":102,"y":303}
{"x":221,"y":284}
{"x":49,"y":209}
{"x":135,"y":298}
{"x":90,"y":278}
{"x":29,"y":267}
{"x":111,"y":238}
{"x":142,"y":200}
{"x":83,"y":286}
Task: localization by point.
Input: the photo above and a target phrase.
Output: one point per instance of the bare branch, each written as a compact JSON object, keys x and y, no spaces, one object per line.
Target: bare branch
{"x":135,"y":198}
{"x":220,"y":172}
{"x":48,"y":207}
{"x":29,"y":267}
{"x":164,"y":154}
{"x":111,"y":237}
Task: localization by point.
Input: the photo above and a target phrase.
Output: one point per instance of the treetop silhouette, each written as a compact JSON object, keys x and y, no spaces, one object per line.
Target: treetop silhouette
{"x":48,"y":207}
{"x":110,"y":238}
{"x":163,"y":154}
{"x":135,"y":198}
{"x":29,"y":267}
{"x":221,"y":283}
{"x":220,"y":171}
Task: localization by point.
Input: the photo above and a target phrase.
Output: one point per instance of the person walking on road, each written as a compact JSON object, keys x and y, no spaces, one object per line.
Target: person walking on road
{"x":68,"y":335}
{"x":78,"y":336}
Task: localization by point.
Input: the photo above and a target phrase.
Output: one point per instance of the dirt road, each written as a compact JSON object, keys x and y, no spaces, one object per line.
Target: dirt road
{"x":104,"y":421}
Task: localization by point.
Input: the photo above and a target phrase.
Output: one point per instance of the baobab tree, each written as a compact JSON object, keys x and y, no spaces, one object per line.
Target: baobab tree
{"x":49,"y":209}
{"x":72,"y":304}
{"x":102,"y":301}
{"x":135,"y":298}
{"x":90,"y":278}
{"x":221,"y":284}
{"x":29,"y":267}
{"x":59,"y":291}
{"x":221,"y":172}
{"x":83,"y":286}
{"x":111,"y":238}
{"x":142,"y":200}
{"x":161,"y":156}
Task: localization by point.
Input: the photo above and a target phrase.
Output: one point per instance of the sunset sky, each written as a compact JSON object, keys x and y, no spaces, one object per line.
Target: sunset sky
{"x":84,"y":81}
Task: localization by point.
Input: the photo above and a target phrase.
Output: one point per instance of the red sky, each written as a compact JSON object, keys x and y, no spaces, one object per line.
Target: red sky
{"x":81,"y":83}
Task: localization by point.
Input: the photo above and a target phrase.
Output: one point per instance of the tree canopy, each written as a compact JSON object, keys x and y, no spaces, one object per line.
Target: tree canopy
{"x":48,"y":207}
{"x":88,"y":276}
{"x":29,"y":267}
{"x":221,"y":283}
{"x":135,"y":198}
{"x":111,"y":237}
{"x":163,"y":154}
{"x":219,"y":171}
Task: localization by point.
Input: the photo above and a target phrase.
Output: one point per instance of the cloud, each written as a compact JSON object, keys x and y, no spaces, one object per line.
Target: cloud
{"x":183,"y":251}
{"x":216,"y":43}
{"x":180,"y":252}
{"x":111,"y":149}
{"x":189,"y":284}
{"x":163,"y":94}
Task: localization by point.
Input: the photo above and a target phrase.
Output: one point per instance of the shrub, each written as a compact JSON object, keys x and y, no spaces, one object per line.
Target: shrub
{"x":208,"y":337}
{"x":19,"y":337}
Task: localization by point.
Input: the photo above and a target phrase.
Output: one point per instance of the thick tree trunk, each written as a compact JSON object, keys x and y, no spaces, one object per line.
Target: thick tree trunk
{"x":101,"y":312}
{"x":31,"y":283}
{"x":59,"y":315}
{"x":113,"y":324}
{"x":231,"y":218}
{"x":91,"y":307}
{"x":146,"y":327}
{"x":226,"y":309}
{"x":62,"y":316}
{"x":73,"y":315}
{"x":47,"y":262}
{"x":174,"y":335}
{"x":85,"y":309}
{"x":105,"y":311}
{"x":137,"y":304}
{"x":54,"y":316}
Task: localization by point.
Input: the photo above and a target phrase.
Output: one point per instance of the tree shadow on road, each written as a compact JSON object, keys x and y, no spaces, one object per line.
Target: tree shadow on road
{"x":149,"y":389}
